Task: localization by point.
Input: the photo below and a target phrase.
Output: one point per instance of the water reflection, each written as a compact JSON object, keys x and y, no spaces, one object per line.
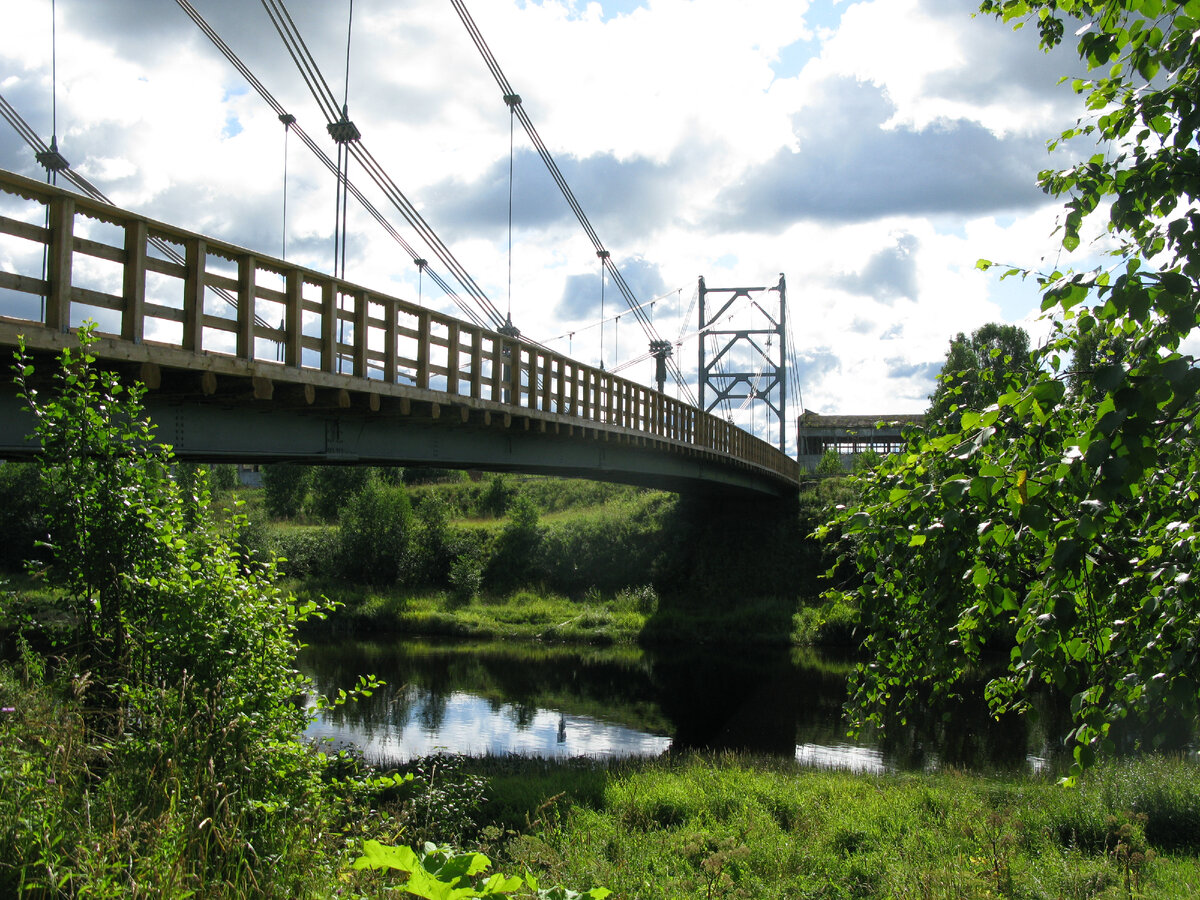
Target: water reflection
{"x":478,"y":698}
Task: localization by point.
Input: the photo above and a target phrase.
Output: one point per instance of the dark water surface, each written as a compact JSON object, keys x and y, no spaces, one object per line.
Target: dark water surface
{"x":551,"y":701}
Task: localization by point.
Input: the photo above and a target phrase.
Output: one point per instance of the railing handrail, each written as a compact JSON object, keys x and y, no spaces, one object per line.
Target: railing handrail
{"x":391,"y":341}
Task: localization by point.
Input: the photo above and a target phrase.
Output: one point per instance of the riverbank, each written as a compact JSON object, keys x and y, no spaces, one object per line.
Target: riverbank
{"x":735,"y":826}
{"x":678,"y":826}
{"x":630,"y":616}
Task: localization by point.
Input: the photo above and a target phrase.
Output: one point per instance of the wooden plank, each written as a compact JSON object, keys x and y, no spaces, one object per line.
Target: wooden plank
{"x":165,"y":267}
{"x":59,"y":262}
{"x":89,"y":297}
{"x":389,"y":342}
{"x":169,"y":313}
{"x":193,"y":295}
{"x":497,"y":369}
{"x":22,"y":283}
{"x":292,"y":318}
{"x":16,"y":228}
{"x":212,"y":279}
{"x":452,"y":349}
{"x":245,"y":307}
{"x":423,"y":326}
{"x":476,"y":362}
{"x":104,"y":251}
{"x":360,"y":334}
{"x":329,"y":356}
{"x":514,"y":373}
{"x":133,"y":316}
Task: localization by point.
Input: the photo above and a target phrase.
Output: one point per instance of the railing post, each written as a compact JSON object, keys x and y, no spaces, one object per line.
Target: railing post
{"x":498,"y":369}
{"x":476,"y":362}
{"x":245,"y":307}
{"x":452,"y":351}
{"x":514,"y":373}
{"x":361,"y":304}
{"x":560,"y":385}
{"x":196,"y":256}
{"x":423,"y":330}
{"x":58,"y":263}
{"x":586,"y":389}
{"x":293,"y":321}
{"x":391,"y":312}
{"x":133,"y":316}
{"x":329,"y":313}
{"x":547,"y":375}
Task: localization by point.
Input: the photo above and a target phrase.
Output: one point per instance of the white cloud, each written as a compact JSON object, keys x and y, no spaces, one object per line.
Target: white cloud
{"x":702,"y":141}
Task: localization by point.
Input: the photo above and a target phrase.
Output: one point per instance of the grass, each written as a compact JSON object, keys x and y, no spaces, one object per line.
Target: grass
{"x":732,"y":826}
{"x":521,"y":615}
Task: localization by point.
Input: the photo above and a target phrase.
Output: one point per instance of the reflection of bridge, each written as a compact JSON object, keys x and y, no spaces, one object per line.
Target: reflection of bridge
{"x":256,"y":359}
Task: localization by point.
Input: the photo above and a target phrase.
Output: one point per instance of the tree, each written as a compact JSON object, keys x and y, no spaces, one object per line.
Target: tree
{"x":976,"y":368}
{"x":1060,"y":526}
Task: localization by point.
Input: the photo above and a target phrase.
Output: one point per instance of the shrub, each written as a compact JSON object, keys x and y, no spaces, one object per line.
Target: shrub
{"x":22,"y":502}
{"x":375,"y":533}
{"x":177,"y":715}
{"x":285,"y":488}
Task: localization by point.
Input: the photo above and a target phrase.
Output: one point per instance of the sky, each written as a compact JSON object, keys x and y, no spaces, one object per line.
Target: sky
{"x":871,"y":152}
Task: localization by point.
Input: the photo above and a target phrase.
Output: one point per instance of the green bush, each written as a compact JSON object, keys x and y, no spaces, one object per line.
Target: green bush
{"x":285,"y":489}
{"x":174,"y":719}
{"x":517,"y":557}
{"x":375,"y":533}
{"x":305,"y":552}
{"x":333,"y":486}
{"x":22,"y":511}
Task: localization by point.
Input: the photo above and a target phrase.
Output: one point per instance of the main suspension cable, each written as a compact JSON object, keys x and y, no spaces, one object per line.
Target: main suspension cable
{"x":85,"y":187}
{"x":507,"y":91}
{"x":320,"y":90}
{"x":324,"y":159}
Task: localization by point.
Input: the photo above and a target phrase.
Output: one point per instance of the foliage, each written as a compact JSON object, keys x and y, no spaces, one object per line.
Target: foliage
{"x":975,"y":370}
{"x":176,"y":698}
{"x":439,"y":873}
{"x":830,"y":463}
{"x":1057,"y":525}
{"x":22,"y":514}
{"x":498,"y":496}
{"x":333,"y":486}
{"x":285,"y":489}
{"x":375,"y":533}
{"x":516,"y":559}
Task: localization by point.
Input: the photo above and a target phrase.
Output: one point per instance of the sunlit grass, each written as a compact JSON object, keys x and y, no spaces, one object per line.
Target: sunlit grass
{"x":733,"y":826}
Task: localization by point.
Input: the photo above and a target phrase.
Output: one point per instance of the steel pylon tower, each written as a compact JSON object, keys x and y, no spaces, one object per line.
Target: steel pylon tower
{"x":767,"y":382}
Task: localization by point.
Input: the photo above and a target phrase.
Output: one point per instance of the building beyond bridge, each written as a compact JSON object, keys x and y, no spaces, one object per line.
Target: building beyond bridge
{"x":849,"y":436}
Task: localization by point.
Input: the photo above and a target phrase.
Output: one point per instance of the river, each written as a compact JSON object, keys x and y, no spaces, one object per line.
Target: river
{"x":561,"y":702}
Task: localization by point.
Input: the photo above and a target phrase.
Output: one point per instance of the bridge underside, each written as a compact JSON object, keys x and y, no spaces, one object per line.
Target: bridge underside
{"x":226,"y":415}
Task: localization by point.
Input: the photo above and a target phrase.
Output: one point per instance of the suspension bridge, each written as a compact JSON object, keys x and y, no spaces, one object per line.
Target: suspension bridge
{"x":248,"y":357}
{"x":318,"y":369}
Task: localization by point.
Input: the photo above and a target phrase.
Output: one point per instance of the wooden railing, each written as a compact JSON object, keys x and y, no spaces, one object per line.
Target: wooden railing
{"x":151,"y":284}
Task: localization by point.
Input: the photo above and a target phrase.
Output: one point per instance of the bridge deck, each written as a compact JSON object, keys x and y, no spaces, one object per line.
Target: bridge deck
{"x":255,"y":358}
